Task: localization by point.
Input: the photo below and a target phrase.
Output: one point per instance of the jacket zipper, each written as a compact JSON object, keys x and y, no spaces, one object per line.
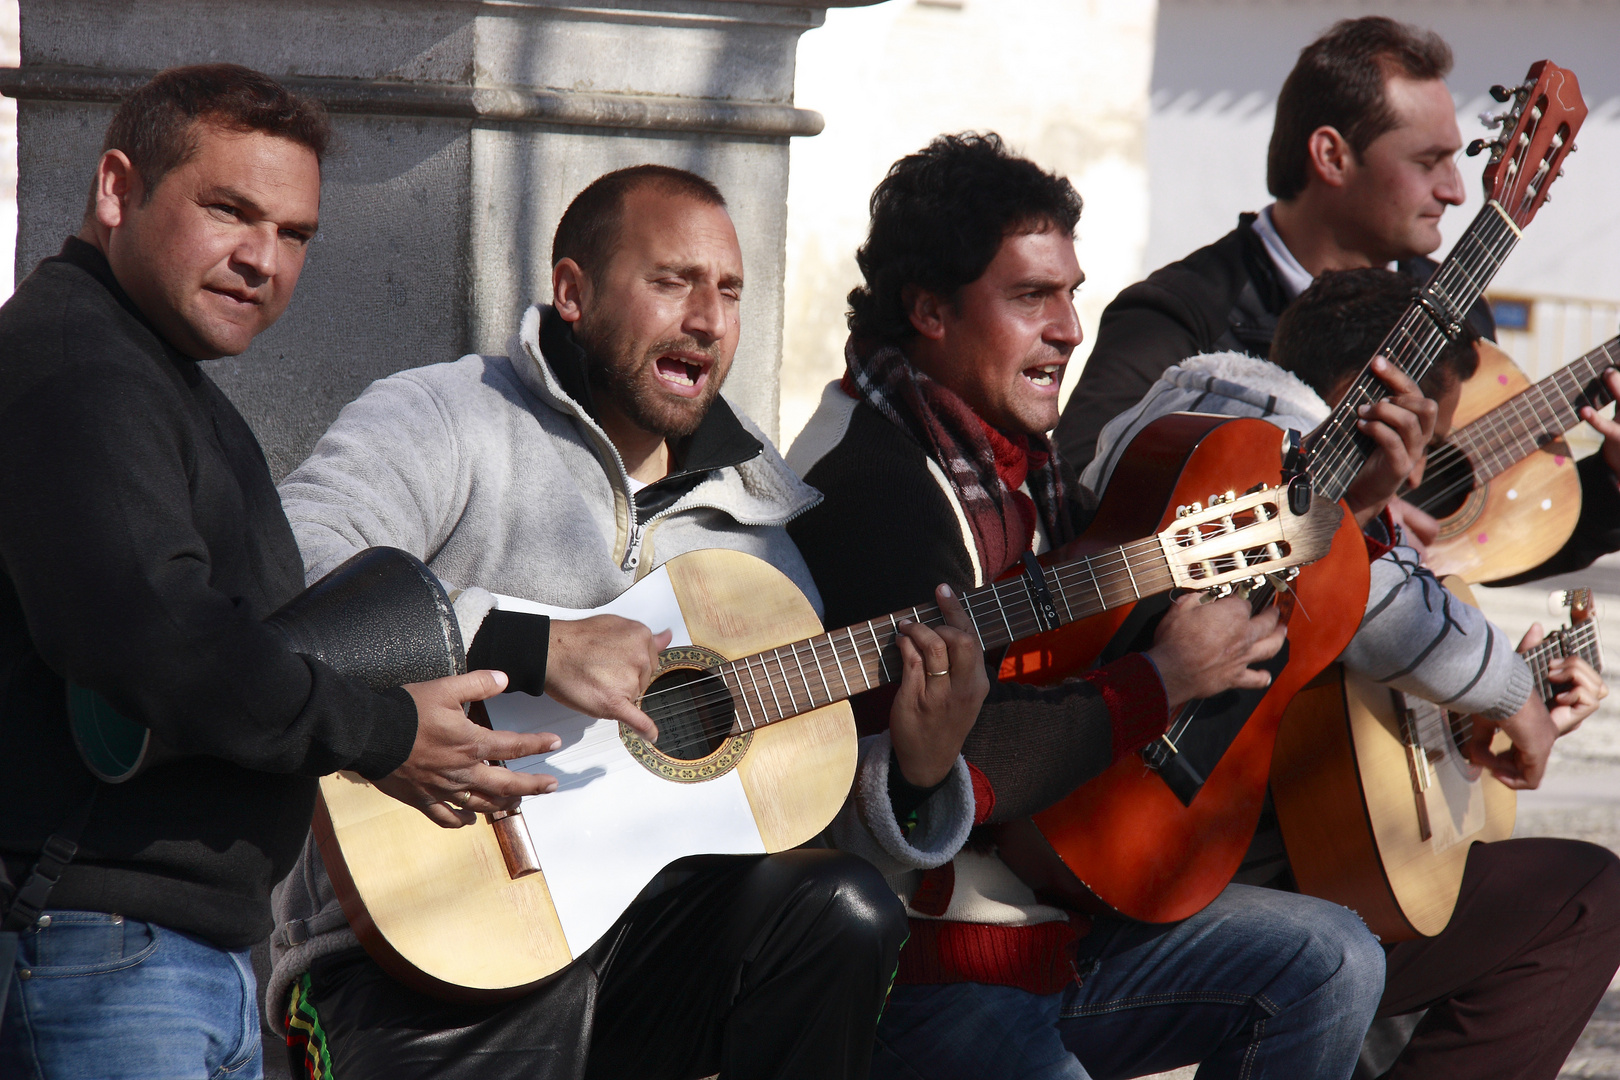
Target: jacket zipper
{"x":632,"y":554}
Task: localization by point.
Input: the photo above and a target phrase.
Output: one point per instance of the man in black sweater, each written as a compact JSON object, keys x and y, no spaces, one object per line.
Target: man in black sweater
{"x":142,"y":544}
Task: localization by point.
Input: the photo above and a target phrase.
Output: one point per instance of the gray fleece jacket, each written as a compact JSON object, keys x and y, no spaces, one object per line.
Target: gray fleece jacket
{"x":491,"y":473}
{"x":1416,"y":637}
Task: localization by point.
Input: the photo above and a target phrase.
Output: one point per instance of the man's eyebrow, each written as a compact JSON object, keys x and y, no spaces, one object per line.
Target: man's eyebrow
{"x":1048,"y":283}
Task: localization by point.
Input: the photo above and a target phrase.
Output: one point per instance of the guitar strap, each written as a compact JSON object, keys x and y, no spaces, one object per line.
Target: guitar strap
{"x":24,"y":906}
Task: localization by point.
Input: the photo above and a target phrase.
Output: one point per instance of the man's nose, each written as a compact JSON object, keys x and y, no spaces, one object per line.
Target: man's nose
{"x":705,"y":314}
{"x":1450,"y":189}
{"x":258,"y":254}
{"x":1064,"y":330}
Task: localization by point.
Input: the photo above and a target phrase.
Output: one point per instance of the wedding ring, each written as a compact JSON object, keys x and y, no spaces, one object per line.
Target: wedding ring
{"x":947,"y":671}
{"x":462,"y":798}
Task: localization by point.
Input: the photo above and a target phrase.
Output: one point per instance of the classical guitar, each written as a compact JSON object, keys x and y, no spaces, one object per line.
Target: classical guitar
{"x":1157,"y":837}
{"x":756,"y":748}
{"x":1503,"y":485}
{"x":1378,"y":805}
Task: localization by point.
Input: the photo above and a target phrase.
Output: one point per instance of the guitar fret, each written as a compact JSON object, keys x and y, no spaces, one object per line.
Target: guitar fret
{"x":809,"y":695}
{"x":749,"y":667}
{"x":877,"y":646}
{"x":861,"y":663}
{"x":787,"y":681}
{"x":742,"y":694}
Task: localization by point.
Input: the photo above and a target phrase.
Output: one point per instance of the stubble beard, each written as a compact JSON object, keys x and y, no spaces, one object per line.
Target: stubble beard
{"x":629,"y":381}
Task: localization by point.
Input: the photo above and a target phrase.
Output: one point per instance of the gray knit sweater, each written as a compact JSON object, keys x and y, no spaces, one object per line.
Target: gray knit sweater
{"x":1416,"y":637}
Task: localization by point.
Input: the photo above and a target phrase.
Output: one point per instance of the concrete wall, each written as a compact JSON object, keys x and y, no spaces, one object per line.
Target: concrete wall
{"x":1065,"y":81}
{"x":465,"y":128}
{"x":1218,"y":65}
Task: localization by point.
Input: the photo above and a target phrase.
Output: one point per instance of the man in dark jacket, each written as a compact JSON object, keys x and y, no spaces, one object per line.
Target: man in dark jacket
{"x":1362,"y":166}
{"x":142,"y":544}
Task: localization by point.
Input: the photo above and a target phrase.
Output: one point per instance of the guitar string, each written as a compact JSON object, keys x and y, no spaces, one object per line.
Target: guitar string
{"x":1516,"y":437}
{"x":1077,"y":573}
{"x":1338,"y":439}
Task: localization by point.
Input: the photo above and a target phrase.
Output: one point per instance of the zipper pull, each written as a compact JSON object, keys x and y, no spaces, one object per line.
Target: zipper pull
{"x":632,"y":555}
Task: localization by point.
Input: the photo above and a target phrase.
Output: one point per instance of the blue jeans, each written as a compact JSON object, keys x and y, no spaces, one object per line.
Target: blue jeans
{"x":101,"y":997}
{"x":1260,"y":984}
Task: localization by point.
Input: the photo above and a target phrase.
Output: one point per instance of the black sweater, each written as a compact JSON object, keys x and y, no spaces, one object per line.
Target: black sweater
{"x":141,"y":545}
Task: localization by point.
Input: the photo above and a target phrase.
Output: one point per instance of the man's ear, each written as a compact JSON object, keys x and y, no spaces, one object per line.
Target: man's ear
{"x":925,"y":309}
{"x":570,"y":290}
{"x":118,"y":187}
{"x":1329,"y":156}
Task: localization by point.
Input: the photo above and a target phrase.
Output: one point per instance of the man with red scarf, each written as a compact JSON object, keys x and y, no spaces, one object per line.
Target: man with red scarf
{"x":933,"y":457}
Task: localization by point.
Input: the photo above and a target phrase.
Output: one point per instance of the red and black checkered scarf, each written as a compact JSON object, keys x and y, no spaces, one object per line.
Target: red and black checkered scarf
{"x":985,"y":466}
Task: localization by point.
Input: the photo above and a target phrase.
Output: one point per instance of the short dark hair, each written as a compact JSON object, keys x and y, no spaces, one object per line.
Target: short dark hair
{"x":1339,"y":82}
{"x":589,"y":228}
{"x":1328,"y":334}
{"x":938,"y":219}
{"x":155,"y":126}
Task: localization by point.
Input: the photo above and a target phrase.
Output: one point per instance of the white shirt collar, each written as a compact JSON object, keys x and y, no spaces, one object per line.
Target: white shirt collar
{"x":1295,"y":278}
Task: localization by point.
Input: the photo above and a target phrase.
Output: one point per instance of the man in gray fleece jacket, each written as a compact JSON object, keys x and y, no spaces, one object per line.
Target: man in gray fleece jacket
{"x":562,"y":473}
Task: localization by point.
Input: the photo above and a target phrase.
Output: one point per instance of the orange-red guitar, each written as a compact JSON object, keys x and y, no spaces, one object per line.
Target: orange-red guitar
{"x":1157,"y":837}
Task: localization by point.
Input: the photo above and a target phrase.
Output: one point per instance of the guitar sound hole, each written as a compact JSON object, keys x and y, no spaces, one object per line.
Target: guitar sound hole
{"x":693,"y":711}
{"x":1447,"y":483}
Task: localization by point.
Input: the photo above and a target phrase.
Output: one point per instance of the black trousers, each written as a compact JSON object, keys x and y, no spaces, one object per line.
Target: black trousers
{"x":1513,"y":978}
{"x":748,"y":966}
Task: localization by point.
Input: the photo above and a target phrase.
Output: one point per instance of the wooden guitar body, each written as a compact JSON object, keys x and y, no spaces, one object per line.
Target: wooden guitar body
{"x":1367,"y":823}
{"x":1124,"y":842}
{"x":1519,"y":518}
{"x":441,"y":910}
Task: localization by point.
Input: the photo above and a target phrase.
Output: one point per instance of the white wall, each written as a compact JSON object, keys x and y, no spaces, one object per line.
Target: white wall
{"x":1219,"y":63}
{"x":1064,"y":81}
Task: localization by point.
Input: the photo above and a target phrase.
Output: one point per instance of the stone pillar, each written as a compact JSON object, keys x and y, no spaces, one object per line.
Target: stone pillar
{"x":465,"y":127}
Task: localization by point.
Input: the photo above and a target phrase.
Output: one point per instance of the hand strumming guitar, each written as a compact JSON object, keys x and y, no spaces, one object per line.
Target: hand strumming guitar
{"x":1400,"y":427}
{"x":1522,"y":765}
{"x":1202,"y":649}
{"x":942,"y":685}
{"x":599,"y":666}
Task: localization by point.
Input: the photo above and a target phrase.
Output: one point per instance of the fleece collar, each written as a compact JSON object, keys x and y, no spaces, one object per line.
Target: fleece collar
{"x":725,"y":449}
{"x":1264,"y":386}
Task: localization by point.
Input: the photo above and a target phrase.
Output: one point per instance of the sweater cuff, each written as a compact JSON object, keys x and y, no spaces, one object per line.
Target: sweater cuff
{"x":391,"y":737}
{"x":1138,"y":709}
{"x":515,"y":642}
{"x":904,"y":796}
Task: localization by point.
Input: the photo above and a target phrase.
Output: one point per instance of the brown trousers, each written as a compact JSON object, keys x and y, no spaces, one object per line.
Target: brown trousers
{"x":1512,"y":980}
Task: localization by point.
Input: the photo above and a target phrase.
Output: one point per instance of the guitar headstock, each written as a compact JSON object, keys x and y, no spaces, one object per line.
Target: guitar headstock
{"x":1242,"y":538}
{"x":1539,"y":129}
{"x":1579,"y":603}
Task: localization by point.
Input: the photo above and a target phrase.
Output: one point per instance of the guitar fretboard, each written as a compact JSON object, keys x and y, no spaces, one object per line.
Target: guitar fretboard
{"x":1537,"y":415}
{"x":1337,"y":450}
{"x":805,"y":675}
{"x":1578,"y":640}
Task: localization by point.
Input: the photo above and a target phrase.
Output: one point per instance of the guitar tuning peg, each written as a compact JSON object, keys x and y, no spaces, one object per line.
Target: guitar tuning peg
{"x":1500,"y":92}
{"x":1475,"y":147}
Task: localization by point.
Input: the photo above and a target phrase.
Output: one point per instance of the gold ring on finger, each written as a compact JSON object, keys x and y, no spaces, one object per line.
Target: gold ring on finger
{"x":936,"y":674}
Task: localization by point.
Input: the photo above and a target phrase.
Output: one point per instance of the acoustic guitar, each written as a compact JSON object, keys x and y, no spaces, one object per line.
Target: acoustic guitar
{"x":756,"y":747}
{"x":1156,"y":837}
{"x":1378,"y":805}
{"x":1504,"y":485}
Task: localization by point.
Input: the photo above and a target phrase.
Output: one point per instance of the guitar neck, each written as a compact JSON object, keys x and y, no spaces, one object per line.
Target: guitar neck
{"x":1337,"y":450}
{"x":1539,"y":414}
{"x":1578,"y":640}
{"x":805,"y":675}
